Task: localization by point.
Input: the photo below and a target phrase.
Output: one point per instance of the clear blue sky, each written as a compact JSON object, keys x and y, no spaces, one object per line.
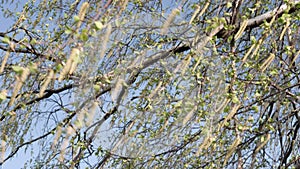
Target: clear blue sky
{"x":19,"y":160}
{"x":21,"y":157}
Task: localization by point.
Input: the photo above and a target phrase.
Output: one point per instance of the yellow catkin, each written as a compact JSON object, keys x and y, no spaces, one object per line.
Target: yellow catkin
{"x":19,"y":83}
{"x":82,"y":13}
{"x":163,"y":127}
{"x":241,"y":30}
{"x":257,"y":47}
{"x":205,"y":144}
{"x":3,"y":93}
{"x":71,"y":64}
{"x":197,"y":10}
{"x":185,"y":64}
{"x":73,"y":67}
{"x":22,"y":18}
{"x":3,"y":149}
{"x":210,"y":141}
{"x":189,"y":116}
{"x":169,"y":21}
{"x":284,"y":29}
{"x":105,"y":40}
{"x":4,"y":61}
{"x":248,"y":53}
{"x":63,"y":150}
{"x":267,"y":62}
{"x":231,"y":149}
{"x":75,"y":59}
{"x":272,"y":20}
{"x":70,"y":131}
{"x":263,"y":143}
{"x":41,"y":14}
{"x":65,"y":70}
{"x":123,"y":4}
{"x":80,"y":119}
{"x":57,"y":136}
{"x":117,"y":89}
{"x":154,"y":92}
{"x":230,"y":115}
{"x":294,"y":59}
{"x":204,"y":9}
{"x":224,"y":104}
{"x":46,"y":83}
{"x":91,"y":113}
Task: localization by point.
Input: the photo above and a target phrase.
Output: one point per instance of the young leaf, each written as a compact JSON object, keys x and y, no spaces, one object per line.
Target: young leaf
{"x":98,"y":25}
{"x":17,"y":69}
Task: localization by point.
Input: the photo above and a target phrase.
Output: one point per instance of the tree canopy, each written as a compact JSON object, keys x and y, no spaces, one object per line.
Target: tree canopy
{"x":150,"y":84}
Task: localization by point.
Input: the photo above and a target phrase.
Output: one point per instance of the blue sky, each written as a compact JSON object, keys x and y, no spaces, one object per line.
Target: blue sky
{"x":19,"y":160}
{"x":5,"y":23}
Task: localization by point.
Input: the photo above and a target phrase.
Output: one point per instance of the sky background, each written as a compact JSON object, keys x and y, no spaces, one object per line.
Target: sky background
{"x":5,"y":23}
{"x":21,"y":157}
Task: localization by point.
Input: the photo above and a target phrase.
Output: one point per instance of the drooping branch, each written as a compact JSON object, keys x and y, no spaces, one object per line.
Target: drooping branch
{"x":258,"y":20}
{"x":221,"y":33}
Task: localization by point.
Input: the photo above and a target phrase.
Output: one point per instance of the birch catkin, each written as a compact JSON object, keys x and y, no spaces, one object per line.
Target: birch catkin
{"x":4,"y":61}
{"x":71,"y":64}
{"x":231,"y":149}
{"x":169,"y":21}
{"x":19,"y":83}
{"x":82,"y":13}
{"x":198,"y":11}
{"x":267,"y":62}
{"x":241,"y":30}
{"x":46,"y":83}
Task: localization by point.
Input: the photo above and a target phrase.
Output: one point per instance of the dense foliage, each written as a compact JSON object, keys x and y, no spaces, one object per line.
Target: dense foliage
{"x":150,"y":84}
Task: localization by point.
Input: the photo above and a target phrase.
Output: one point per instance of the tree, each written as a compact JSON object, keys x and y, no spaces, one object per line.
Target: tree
{"x":151,"y":84}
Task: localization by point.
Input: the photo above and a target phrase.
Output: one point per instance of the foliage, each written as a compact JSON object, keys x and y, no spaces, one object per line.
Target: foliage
{"x":150,"y":84}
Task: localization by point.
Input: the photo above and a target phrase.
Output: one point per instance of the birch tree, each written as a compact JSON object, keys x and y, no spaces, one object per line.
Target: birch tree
{"x":150,"y":84}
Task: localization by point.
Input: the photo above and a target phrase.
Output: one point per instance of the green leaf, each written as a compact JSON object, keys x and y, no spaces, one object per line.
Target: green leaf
{"x":33,"y":41}
{"x":270,"y":127}
{"x":240,"y":127}
{"x":257,"y":94}
{"x":6,"y":40}
{"x":33,"y":67}
{"x":58,"y":67}
{"x":78,"y":123}
{"x":76,"y":18}
{"x":235,"y":99}
{"x":68,"y":31}
{"x":274,"y":72}
{"x":17,"y":69}
{"x":255,"y":108}
{"x":229,"y":4}
{"x":262,"y":139}
{"x":117,"y":23}
{"x":226,"y":109}
{"x":84,"y":35}
{"x":3,"y":95}
{"x":98,"y":25}
{"x":97,"y":88}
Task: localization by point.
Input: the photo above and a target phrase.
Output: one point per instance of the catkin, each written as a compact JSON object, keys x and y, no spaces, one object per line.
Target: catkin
{"x":4,"y":61}
{"x":82,"y":13}
{"x":46,"y":83}
{"x":267,"y":62}
{"x":19,"y":83}
{"x":169,"y":21}
{"x":71,"y":64}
